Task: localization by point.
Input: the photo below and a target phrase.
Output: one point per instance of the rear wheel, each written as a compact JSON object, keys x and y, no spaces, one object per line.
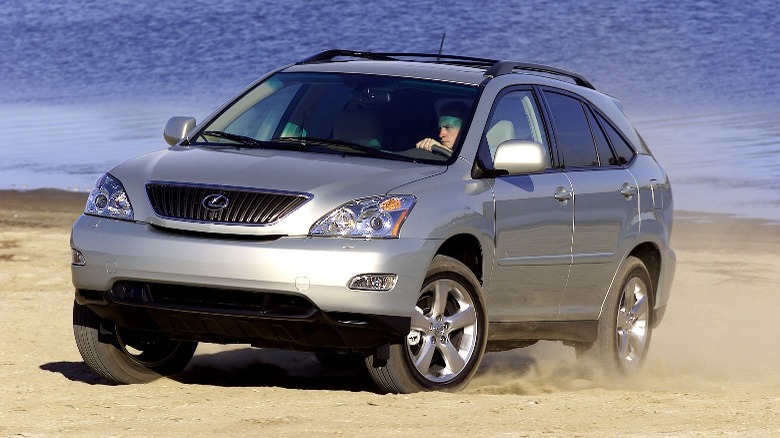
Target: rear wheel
{"x":447,"y":338}
{"x":625,"y":326}
{"x":127,"y":356}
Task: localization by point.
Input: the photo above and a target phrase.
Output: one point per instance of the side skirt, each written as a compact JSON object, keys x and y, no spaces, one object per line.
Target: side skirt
{"x":510,"y":335}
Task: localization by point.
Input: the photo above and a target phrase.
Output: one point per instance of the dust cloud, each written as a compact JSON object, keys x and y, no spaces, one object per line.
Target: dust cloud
{"x":719,"y":332}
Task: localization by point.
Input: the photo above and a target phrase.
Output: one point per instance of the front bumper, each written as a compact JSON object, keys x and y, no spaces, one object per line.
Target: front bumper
{"x":291,"y":291}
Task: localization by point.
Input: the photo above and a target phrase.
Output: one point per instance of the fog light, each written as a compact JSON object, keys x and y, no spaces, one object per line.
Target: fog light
{"x":77,"y":258}
{"x":373,"y":282}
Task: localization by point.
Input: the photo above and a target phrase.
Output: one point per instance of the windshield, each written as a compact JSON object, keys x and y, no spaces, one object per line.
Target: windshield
{"x":380,"y":116}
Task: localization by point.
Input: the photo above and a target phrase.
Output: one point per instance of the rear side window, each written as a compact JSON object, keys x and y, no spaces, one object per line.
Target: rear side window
{"x":602,"y":145}
{"x":573,"y":131}
{"x":623,"y":151}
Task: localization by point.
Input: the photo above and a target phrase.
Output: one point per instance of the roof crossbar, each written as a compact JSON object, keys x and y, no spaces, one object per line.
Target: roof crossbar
{"x":329,"y":55}
{"x":444,"y":57}
{"x":506,"y":67}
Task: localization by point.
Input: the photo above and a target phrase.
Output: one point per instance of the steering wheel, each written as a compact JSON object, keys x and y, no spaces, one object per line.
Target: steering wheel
{"x":441,"y":150}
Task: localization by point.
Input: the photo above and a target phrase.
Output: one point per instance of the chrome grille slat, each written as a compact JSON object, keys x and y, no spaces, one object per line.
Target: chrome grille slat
{"x":266,"y":212}
{"x":245,"y":205}
{"x":187,"y":205}
{"x":252,"y":213}
{"x":242,"y":212}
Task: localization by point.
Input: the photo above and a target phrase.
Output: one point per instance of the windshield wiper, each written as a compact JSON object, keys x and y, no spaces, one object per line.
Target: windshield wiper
{"x":333,"y":143}
{"x":238,"y":138}
{"x":327,"y":142}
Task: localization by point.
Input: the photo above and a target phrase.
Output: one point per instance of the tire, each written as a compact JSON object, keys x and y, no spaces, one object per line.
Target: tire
{"x":447,"y":338}
{"x":125,"y":356}
{"x":625,"y":326}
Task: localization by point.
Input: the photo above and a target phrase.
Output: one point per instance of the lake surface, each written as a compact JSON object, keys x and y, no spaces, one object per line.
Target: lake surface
{"x":85,"y":85}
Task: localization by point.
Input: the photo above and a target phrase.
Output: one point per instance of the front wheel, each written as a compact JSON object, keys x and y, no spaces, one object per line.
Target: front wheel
{"x":447,"y":337}
{"x":127,"y":356}
{"x":625,"y":325}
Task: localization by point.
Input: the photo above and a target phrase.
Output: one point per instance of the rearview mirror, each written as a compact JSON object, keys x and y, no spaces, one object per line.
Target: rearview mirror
{"x":521,"y":156}
{"x":177,"y":128}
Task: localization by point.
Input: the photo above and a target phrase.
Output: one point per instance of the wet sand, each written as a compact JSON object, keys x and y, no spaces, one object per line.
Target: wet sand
{"x":712,"y":370}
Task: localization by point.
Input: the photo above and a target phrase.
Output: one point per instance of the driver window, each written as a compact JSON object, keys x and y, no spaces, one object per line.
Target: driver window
{"x":515,"y":117}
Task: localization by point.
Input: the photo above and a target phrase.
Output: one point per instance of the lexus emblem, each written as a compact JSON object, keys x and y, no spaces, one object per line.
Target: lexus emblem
{"x":215,"y":202}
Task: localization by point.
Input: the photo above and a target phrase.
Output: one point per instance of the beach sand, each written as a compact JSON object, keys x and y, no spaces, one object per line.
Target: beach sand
{"x":712,"y":369}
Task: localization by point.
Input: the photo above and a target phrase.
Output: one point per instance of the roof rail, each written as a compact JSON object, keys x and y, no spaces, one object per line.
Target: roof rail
{"x":494,"y":67}
{"x":506,"y":67}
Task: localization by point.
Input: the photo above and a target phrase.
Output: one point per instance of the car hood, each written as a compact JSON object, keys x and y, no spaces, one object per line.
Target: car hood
{"x":329,"y":179}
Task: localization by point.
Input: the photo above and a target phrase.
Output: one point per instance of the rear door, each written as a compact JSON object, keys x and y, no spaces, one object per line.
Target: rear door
{"x":605,"y":204}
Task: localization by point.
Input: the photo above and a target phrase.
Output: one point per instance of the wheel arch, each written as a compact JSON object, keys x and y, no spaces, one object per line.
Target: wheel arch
{"x":650,"y":255}
{"x":467,"y":249}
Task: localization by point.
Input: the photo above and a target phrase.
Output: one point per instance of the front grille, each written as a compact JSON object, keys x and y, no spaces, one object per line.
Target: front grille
{"x":221,"y":204}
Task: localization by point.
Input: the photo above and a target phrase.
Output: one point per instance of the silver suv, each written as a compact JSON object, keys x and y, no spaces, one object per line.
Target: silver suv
{"x":415,"y":210}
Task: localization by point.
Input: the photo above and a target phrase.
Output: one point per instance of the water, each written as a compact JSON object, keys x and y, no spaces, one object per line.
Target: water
{"x":85,"y":85}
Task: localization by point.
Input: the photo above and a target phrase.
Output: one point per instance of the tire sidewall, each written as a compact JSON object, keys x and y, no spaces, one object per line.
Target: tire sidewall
{"x":112,"y":362}
{"x":607,"y":342}
{"x":443,"y":267}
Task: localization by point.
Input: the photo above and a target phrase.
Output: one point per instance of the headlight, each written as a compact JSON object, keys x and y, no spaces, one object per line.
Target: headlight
{"x":374,"y":217}
{"x":109,"y":199}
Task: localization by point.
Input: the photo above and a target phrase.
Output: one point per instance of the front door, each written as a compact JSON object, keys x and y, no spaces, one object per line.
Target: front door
{"x":534,"y":221}
{"x":534,"y":217}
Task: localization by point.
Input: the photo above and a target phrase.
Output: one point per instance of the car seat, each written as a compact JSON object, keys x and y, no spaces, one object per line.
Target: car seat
{"x":358,"y":126}
{"x":502,"y":131}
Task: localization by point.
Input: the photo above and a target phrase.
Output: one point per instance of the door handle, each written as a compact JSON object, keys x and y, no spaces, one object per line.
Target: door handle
{"x":627,"y":191}
{"x":562,"y":195}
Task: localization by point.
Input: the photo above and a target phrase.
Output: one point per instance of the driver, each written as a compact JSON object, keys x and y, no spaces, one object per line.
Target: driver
{"x":450,"y":120}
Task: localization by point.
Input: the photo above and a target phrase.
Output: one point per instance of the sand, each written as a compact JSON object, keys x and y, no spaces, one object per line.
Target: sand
{"x":712,"y":369}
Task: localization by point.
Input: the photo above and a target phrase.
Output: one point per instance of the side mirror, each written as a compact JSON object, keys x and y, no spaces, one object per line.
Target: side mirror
{"x":177,"y":128}
{"x":521,"y":156}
